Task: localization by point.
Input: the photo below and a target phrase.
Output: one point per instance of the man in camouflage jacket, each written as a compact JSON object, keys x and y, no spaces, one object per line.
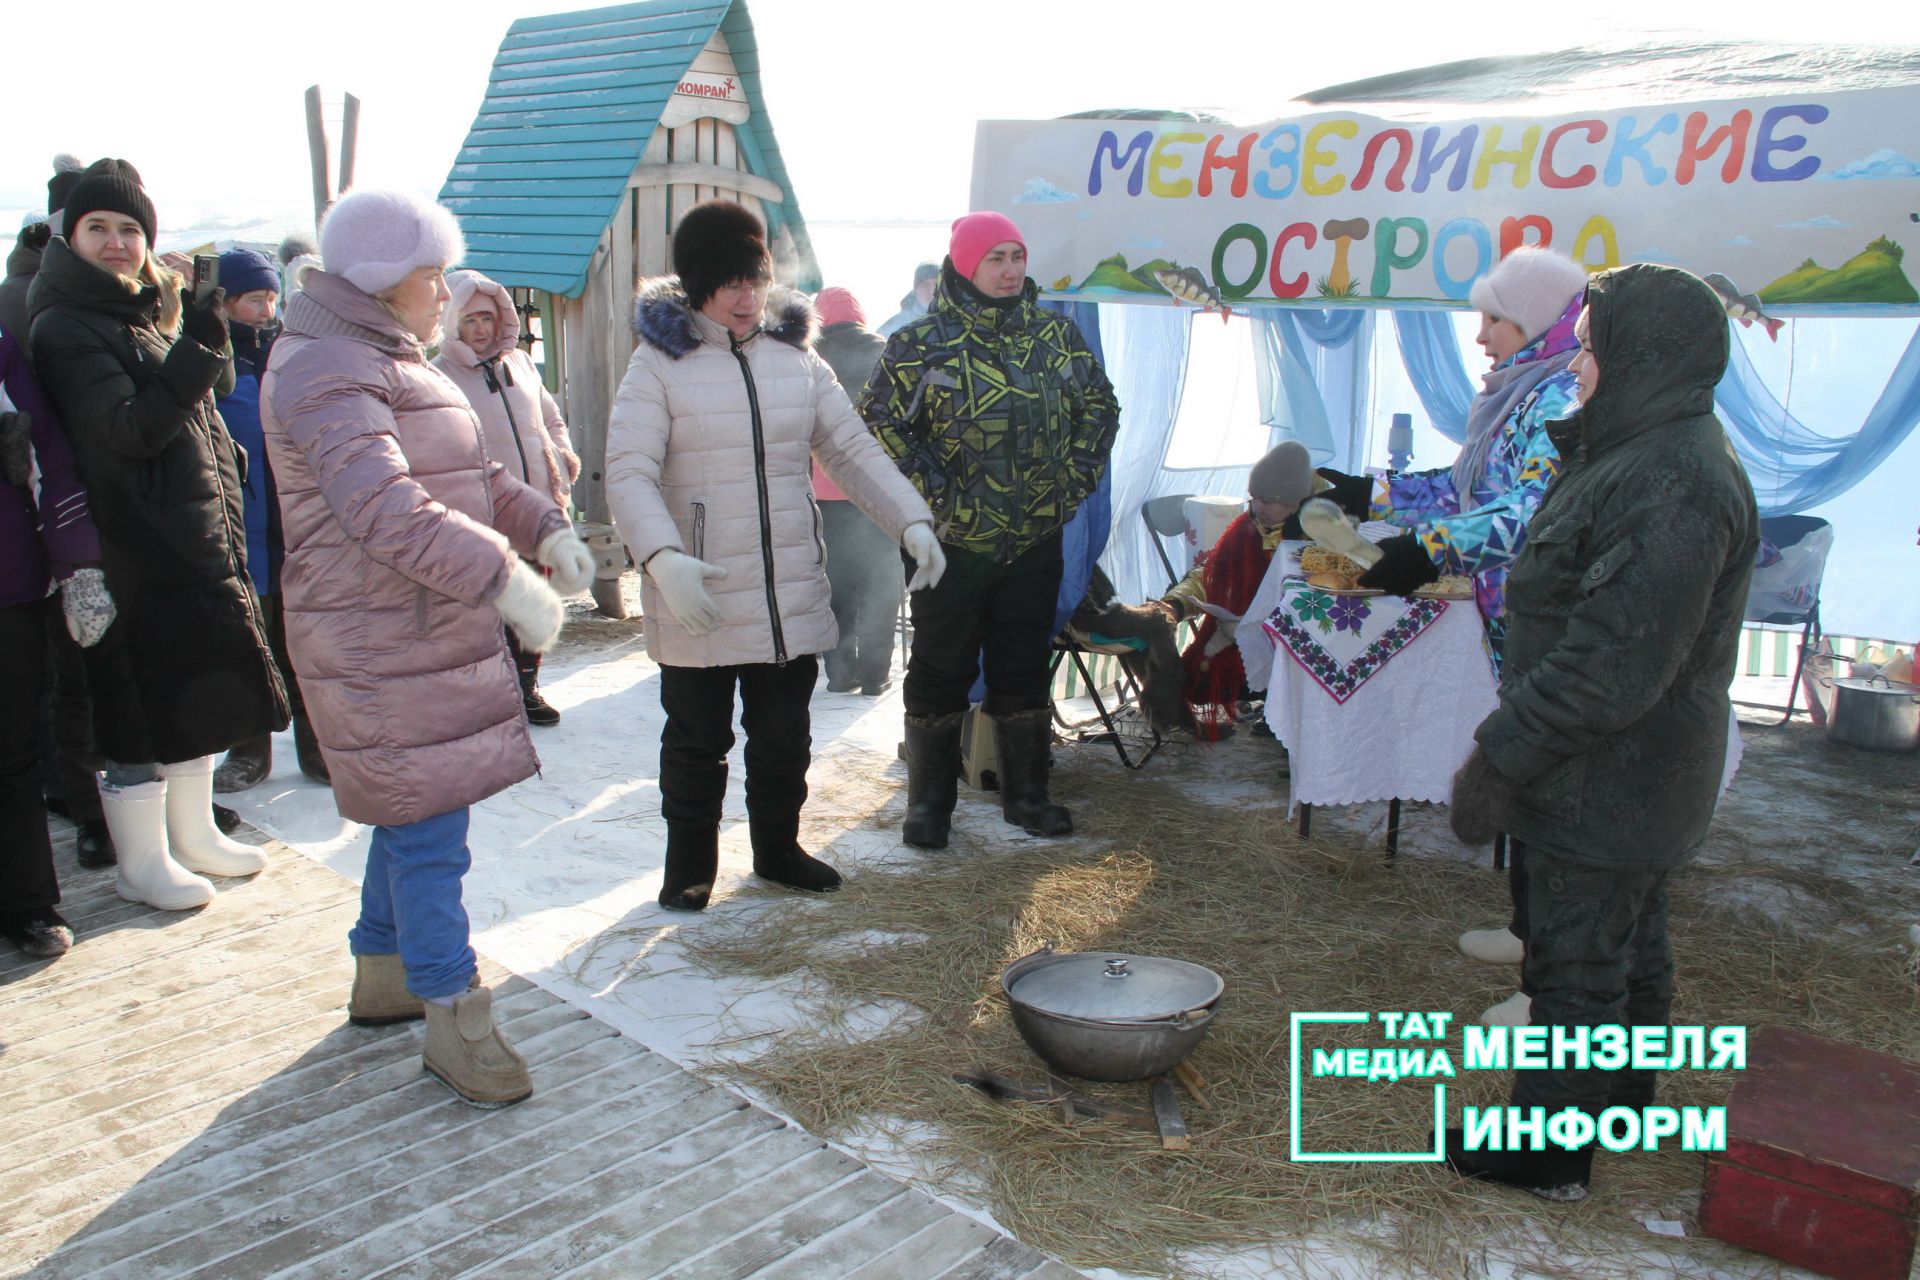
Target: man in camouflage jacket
{"x":1001,"y":416}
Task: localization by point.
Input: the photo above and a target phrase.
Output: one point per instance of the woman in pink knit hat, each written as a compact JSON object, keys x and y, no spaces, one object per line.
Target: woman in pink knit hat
{"x":406,"y":549}
{"x":1001,"y":416}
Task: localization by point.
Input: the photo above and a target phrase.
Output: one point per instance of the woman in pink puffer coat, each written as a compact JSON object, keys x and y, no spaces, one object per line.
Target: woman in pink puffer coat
{"x":480,"y":354}
{"x":709,"y":455}
{"x":405,"y":549}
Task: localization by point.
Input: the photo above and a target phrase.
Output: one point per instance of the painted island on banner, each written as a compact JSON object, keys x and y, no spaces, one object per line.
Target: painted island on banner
{"x":1806,"y":204}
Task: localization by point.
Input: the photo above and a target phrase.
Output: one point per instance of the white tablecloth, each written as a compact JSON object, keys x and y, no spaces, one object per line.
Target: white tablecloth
{"x":1402,"y":733}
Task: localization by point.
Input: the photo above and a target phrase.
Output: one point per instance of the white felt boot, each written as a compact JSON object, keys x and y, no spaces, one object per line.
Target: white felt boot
{"x":1515,"y":1011}
{"x":1495,"y":946}
{"x":197,"y":844}
{"x":137,"y":819}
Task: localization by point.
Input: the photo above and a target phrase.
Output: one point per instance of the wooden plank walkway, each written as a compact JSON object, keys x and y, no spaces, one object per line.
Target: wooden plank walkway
{"x":184,"y":1097}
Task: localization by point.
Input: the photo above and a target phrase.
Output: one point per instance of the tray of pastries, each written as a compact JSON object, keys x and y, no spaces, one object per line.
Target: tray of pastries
{"x":1331,"y":571}
{"x":1450,"y":586}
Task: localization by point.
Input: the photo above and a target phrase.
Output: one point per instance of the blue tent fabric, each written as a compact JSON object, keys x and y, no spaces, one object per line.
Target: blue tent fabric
{"x":1439,"y":376}
{"x":571,"y":102}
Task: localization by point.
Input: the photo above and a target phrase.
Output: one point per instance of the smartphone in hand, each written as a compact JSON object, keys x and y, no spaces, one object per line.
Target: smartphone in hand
{"x":206,"y":276}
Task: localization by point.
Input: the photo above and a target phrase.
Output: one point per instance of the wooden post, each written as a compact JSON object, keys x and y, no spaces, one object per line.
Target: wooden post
{"x":317,"y":153}
{"x":349,"y":139}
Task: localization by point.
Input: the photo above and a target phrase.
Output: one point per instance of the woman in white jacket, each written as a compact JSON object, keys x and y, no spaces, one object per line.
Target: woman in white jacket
{"x":709,"y":458}
{"x":523,"y":430}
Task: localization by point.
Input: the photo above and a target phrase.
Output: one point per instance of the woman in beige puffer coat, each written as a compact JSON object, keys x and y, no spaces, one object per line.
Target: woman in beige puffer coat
{"x":709,"y":457}
{"x":521,"y":424}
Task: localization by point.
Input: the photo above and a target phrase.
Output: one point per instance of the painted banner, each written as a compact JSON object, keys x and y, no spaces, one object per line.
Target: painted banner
{"x":1806,"y":204}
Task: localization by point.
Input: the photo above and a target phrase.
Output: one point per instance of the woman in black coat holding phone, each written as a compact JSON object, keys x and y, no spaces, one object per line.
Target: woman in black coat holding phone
{"x":176,"y":655}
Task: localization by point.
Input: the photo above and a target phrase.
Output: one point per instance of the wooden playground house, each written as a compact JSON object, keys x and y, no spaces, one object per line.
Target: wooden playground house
{"x":599,"y":129}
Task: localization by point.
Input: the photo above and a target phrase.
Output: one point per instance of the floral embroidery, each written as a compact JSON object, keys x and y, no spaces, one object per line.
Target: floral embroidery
{"x":1347,"y":613}
{"x":1351,"y":614}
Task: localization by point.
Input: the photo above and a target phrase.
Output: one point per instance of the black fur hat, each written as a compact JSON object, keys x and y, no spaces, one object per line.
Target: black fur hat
{"x":717,"y":243}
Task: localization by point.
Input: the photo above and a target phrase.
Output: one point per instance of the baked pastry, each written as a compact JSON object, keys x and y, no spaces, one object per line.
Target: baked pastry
{"x":1329,"y":570}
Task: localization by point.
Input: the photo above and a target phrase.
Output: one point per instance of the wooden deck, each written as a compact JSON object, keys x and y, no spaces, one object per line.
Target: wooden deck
{"x":185,"y":1097}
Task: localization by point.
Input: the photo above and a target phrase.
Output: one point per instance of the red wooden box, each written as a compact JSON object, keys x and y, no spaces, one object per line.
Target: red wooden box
{"x":1822,"y":1166}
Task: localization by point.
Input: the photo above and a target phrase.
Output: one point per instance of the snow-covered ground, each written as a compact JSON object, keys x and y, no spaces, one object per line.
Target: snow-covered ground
{"x":567,"y":865}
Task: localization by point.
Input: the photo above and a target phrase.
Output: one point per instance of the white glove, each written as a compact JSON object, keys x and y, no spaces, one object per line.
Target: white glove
{"x":929,"y":559}
{"x":89,"y":608}
{"x":531,"y":608}
{"x":1224,"y":630}
{"x":571,"y":562}
{"x":683,"y":582}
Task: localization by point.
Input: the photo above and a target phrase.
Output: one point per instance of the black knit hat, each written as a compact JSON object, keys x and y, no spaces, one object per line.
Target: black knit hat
{"x":113,"y":185}
{"x":717,"y":243}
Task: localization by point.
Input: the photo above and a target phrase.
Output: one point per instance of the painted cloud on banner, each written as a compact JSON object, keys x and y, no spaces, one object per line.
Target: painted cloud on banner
{"x":1884,"y":163}
{"x":1040,"y":191}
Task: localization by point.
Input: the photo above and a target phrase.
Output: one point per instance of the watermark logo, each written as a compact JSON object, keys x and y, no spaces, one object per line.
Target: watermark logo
{"x":1418,"y":1051}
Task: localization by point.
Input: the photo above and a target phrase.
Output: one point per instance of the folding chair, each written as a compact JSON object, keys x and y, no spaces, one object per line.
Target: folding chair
{"x":1077,"y":647}
{"x":1786,"y":589}
{"x":1166,"y":517}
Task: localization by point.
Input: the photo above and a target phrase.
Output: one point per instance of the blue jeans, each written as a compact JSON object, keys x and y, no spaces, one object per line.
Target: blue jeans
{"x":410,"y":903}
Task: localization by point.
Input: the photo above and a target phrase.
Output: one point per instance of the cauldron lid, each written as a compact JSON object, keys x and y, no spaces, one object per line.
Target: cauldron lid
{"x":1110,"y":986}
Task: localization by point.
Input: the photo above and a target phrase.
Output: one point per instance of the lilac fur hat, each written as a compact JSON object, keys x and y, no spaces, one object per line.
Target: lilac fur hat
{"x":375,"y":238}
{"x":1530,"y":287}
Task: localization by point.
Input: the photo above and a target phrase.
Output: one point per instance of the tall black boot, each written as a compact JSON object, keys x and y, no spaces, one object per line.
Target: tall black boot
{"x":933,"y":772}
{"x":306,"y":748}
{"x":539,"y":710}
{"x":247,"y":765}
{"x":1553,"y":1174}
{"x":693,"y":859}
{"x":778,"y":857}
{"x":1025,"y":738}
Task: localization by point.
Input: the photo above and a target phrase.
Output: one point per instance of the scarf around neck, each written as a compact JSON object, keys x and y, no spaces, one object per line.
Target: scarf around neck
{"x":1504,"y":390}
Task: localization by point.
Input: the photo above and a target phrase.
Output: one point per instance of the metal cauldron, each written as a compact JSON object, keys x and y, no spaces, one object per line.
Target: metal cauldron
{"x":1875,"y":713}
{"x":1105,"y":1015}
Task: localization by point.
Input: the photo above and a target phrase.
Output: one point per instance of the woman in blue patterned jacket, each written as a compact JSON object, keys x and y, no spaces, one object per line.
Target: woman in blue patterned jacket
{"x":1472,"y":518}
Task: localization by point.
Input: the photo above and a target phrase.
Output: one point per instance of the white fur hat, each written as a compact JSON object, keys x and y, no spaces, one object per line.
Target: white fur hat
{"x":375,"y":238}
{"x":1530,"y":287}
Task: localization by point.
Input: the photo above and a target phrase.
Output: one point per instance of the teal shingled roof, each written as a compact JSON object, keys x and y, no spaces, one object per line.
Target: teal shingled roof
{"x":570,"y":104}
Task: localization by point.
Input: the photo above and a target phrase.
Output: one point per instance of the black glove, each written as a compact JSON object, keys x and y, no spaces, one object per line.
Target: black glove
{"x":205,"y":323}
{"x":1404,"y":567}
{"x":1352,"y":494}
{"x":16,"y":447}
{"x":1482,"y":800}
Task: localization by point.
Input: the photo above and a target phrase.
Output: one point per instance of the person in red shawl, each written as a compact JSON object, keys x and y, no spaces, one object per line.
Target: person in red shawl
{"x":1228,"y":576}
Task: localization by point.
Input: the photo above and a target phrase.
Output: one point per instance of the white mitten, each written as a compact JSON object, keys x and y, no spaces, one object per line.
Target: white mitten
{"x":89,"y":608}
{"x":1223,"y":635}
{"x":683,"y":581}
{"x":531,"y":608}
{"x":929,"y":560}
{"x":571,"y":562}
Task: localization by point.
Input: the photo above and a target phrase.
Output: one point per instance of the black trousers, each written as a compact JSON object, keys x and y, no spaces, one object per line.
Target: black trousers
{"x":863,"y":570}
{"x":74,"y":761}
{"x":26,"y":855}
{"x":1517,"y":891}
{"x":699,"y":733}
{"x":985,"y":612}
{"x":275,"y":616}
{"x":1597,"y":955}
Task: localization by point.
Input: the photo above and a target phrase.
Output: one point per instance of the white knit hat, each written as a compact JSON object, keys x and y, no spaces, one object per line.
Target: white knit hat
{"x":375,"y":238}
{"x":1530,"y":287}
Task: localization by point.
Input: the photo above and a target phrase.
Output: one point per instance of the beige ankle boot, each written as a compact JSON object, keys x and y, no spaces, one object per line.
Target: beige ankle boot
{"x":1495,"y":946}
{"x":380,"y":994}
{"x":466,"y":1051}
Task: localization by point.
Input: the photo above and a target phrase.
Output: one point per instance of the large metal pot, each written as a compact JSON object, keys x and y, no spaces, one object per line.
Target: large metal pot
{"x":1875,"y":713}
{"x":1104,"y":1015}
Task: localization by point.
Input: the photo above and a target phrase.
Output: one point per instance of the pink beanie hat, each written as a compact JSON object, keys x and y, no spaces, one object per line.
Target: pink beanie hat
{"x":1530,"y":287}
{"x":837,"y":306}
{"x":375,"y":238}
{"x":975,"y":235}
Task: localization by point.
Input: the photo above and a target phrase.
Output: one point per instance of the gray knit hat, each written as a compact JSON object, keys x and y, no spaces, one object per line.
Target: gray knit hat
{"x":1284,"y":475}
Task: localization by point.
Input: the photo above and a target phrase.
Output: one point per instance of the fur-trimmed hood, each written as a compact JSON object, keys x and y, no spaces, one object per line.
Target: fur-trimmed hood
{"x":663,"y":319}
{"x":465,"y":287}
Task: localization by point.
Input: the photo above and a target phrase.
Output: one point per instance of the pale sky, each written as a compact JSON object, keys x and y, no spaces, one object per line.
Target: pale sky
{"x":873,"y":101}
